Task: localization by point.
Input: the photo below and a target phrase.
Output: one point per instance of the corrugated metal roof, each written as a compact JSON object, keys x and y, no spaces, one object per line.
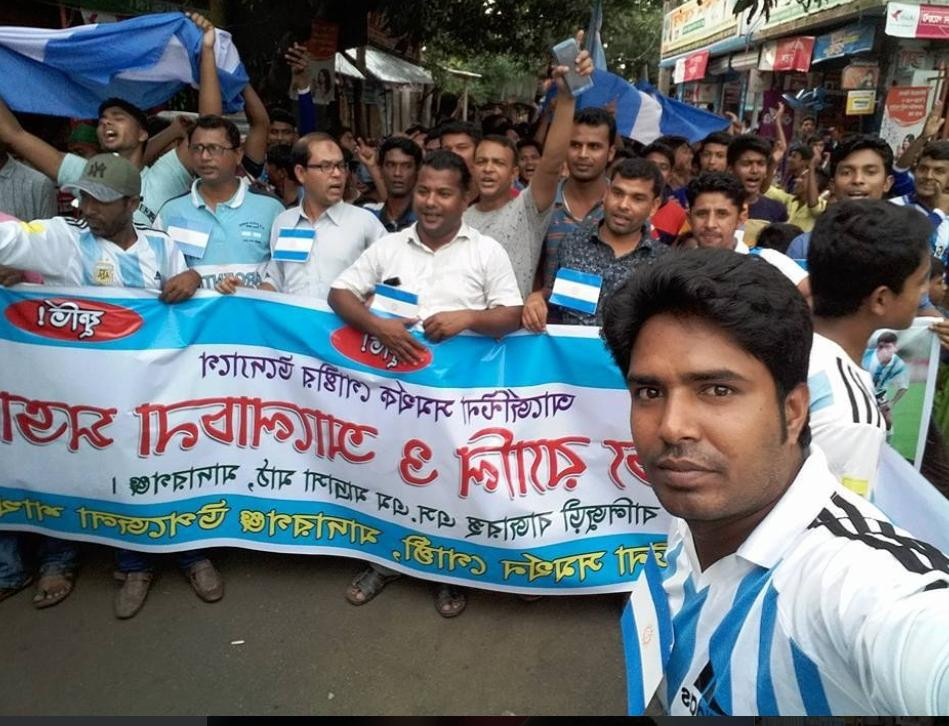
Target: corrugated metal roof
{"x":391,"y":69}
{"x":345,"y":68}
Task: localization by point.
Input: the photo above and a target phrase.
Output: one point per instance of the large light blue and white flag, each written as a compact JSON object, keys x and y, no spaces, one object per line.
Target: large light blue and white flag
{"x":144,"y":60}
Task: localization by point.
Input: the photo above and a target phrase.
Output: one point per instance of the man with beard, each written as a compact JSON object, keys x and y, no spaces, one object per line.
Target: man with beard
{"x":400,"y":159}
{"x":610,"y":251}
{"x":787,"y":593}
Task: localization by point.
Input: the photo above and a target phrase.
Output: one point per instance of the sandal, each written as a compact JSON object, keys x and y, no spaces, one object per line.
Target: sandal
{"x":367,"y":584}
{"x":52,"y":588}
{"x":450,"y":601}
{"x":6,"y":592}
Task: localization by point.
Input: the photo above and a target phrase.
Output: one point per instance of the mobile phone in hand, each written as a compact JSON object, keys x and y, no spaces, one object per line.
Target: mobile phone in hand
{"x":566,"y":54}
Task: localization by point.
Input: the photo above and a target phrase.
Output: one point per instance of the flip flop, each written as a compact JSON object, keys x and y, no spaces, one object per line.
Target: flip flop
{"x":369,"y":582}
{"x":450,"y":601}
{"x":52,"y":588}
{"x":6,"y":592}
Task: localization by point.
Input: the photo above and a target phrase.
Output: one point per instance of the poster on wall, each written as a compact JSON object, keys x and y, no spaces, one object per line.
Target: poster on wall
{"x":858,"y":76}
{"x":861,"y":103}
{"x":767,"y":119}
{"x":904,"y":115}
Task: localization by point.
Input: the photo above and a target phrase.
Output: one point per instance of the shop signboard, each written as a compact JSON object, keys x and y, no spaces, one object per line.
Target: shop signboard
{"x":695,"y":21}
{"x":787,"y":54}
{"x":785,"y":11}
{"x":904,"y":20}
{"x":861,"y":102}
{"x":854,"y":38}
{"x":904,"y":115}
{"x":695,"y":66}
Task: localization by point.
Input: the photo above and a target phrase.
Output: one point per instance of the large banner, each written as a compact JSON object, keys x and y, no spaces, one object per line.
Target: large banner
{"x":260,"y":421}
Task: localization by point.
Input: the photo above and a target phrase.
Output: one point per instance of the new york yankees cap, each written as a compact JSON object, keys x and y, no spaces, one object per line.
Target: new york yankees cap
{"x":108,"y":178}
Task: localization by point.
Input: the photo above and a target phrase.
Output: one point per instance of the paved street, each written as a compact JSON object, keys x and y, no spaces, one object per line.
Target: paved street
{"x":305,"y":649}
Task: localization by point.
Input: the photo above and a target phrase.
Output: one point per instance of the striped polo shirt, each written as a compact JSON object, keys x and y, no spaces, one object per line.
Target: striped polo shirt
{"x":562,"y":223}
{"x":825,"y":609}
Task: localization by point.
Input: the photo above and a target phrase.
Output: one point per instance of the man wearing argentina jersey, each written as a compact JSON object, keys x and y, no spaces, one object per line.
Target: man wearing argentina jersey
{"x":223,"y":225}
{"x":788,"y":594}
{"x":931,"y":176}
{"x":122,"y":130}
{"x":869,"y":266}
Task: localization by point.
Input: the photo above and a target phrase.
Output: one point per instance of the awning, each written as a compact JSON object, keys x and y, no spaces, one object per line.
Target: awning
{"x":728,"y":45}
{"x":391,"y":69}
{"x":746,"y":60}
{"x":345,"y":68}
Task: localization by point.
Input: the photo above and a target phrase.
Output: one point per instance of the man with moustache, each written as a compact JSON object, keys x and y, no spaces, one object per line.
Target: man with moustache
{"x":400,"y":159}
{"x":787,"y":593}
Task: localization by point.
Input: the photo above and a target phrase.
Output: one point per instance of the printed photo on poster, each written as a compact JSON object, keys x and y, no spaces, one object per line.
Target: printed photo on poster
{"x":323,"y":83}
{"x":903,"y":365}
{"x":904,"y":115}
{"x":860,"y":76}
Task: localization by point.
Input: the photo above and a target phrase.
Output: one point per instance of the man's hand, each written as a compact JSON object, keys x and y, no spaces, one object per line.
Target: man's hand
{"x":180,"y":287}
{"x":442,"y":326}
{"x":299,"y":59}
{"x":941,"y":329}
{"x":366,"y":153}
{"x":933,"y":123}
{"x":10,"y":277}
{"x":393,"y":334}
{"x":583,"y":66}
{"x":228,"y":285}
{"x":534,"y":315}
{"x":207,"y":42}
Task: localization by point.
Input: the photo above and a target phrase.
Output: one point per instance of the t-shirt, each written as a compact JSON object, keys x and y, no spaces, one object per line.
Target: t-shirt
{"x":669,"y":220}
{"x":825,"y":609}
{"x":520,"y":229}
{"x":893,"y":375}
{"x":163,"y":180}
{"x":939,"y":242}
{"x":767,"y":210}
{"x":25,"y":193}
{"x":66,"y":252}
{"x":846,"y":421}
{"x":562,"y":223}
{"x":238,"y":232}
{"x":793,"y":271}
{"x":799,"y":213}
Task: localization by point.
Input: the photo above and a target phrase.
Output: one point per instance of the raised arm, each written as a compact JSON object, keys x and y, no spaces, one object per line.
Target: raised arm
{"x":176,"y":131}
{"x":27,"y":146}
{"x":781,"y":143}
{"x":544,"y":182}
{"x":369,"y":155}
{"x":933,"y":124}
{"x":299,"y":60}
{"x":255,"y":145}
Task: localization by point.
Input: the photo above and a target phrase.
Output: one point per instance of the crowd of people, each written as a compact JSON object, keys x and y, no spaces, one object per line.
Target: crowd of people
{"x":721,"y":270}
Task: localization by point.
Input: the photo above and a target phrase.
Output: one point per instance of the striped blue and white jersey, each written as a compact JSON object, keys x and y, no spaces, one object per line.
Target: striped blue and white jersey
{"x":939,"y":242}
{"x":65,"y":252}
{"x":825,"y":609}
{"x":846,"y":421}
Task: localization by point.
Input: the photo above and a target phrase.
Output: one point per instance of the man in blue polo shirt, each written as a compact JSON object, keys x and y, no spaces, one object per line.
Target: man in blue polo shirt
{"x":223,"y":224}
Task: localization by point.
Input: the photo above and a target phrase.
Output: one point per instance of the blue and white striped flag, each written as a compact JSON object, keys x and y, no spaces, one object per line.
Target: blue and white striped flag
{"x":293,"y":245}
{"x":190,"y":236}
{"x":646,"y":627}
{"x":144,"y":60}
{"x":392,"y":301}
{"x":576,"y":290}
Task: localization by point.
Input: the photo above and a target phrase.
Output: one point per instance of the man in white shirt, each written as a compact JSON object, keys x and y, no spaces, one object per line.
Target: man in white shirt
{"x":869,"y":264}
{"x":312,"y":243}
{"x":461,"y":280}
{"x":718,"y":208}
{"x":106,"y":248}
{"x":788,"y":594}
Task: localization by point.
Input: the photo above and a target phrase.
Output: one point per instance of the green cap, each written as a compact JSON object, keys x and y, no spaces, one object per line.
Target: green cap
{"x":108,"y":178}
{"x":83,"y":134}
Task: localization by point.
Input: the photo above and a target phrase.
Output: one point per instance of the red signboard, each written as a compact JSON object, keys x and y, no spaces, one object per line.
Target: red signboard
{"x":794,"y":54}
{"x":695,"y":66}
{"x":933,"y":22}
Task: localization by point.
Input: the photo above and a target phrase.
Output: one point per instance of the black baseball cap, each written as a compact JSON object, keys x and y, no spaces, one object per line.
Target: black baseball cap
{"x":130,"y":108}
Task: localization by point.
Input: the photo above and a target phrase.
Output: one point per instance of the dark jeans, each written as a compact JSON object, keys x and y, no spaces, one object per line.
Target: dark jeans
{"x":52,"y":555}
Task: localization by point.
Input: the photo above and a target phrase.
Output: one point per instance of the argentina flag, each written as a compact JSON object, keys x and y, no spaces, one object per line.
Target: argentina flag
{"x":144,"y":60}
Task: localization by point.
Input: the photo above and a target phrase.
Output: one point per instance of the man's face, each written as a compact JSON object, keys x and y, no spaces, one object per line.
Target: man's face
{"x":118,"y":131}
{"x":714,"y":157}
{"x":628,"y":203}
{"x":495,"y":170}
{"x":461,"y":144}
{"x":590,"y":152}
{"x":861,"y":175}
{"x":932,"y":177}
{"x":715,"y":442}
{"x":796,"y":163}
{"x":439,"y":201}
{"x":683,"y":157}
{"x":281,"y":133}
{"x":937,"y":289}
{"x":107,"y":219}
{"x":751,"y":168}
{"x":212,"y":156}
{"x":714,"y":219}
{"x":807,"y":127}
{"x":399,"y":172}
{"x":662,"y":162}
{"x":433,"y":144}
{"x":323,"y":186}
{"x":902,"y":308}
{"x":527,"y":160}
{"x":886,"y":351}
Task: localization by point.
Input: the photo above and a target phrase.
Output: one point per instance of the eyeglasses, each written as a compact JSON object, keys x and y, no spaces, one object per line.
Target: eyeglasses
{"x":212,"y":149}
{"x":327,"y":167}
